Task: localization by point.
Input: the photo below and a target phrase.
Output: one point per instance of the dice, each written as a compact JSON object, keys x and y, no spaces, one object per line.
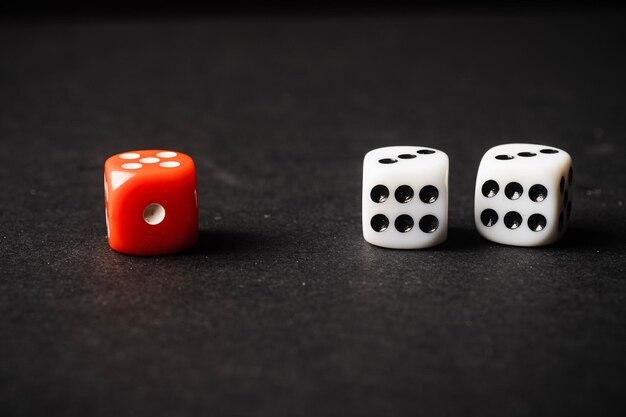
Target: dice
{"x":523,"y":194}
{"x":151,"y":202}
{"x":405,"y":197}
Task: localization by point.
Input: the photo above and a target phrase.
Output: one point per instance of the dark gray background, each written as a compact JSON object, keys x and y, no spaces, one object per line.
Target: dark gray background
{"x":282,"y":309}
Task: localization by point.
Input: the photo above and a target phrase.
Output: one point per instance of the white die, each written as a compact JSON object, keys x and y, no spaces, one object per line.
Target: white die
{"x":405,"y":197}
{"x":523,"y":194}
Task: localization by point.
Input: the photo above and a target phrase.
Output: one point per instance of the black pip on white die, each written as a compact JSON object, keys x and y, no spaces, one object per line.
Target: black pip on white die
{"x":523,"y":194}
{"x":405,"y":197}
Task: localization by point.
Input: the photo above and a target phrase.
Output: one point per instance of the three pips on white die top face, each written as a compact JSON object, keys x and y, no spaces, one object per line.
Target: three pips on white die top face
{"x":523,"y":195}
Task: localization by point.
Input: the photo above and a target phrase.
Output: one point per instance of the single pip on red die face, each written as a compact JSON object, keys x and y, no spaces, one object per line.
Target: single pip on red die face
{"x":151,"y":202}
{"x":523,"y":194}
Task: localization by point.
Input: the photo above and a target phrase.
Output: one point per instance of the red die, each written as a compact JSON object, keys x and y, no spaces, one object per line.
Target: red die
{"x":151,"y":202}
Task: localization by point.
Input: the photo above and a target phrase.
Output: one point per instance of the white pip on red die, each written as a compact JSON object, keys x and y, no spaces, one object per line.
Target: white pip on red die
{"x":405,"y":197}
{"x":523,"y":194}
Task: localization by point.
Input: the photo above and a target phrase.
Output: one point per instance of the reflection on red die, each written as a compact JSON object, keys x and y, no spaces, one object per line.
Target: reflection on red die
{"x":151,"y":202}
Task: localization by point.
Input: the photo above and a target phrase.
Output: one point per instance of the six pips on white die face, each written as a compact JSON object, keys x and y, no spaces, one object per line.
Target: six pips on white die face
{"x":523,"y":194}
{"x":405,"y":197}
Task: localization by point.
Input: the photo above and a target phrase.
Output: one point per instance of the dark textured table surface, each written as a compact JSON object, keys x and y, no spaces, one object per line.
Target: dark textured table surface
{"x":282,"y":309}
